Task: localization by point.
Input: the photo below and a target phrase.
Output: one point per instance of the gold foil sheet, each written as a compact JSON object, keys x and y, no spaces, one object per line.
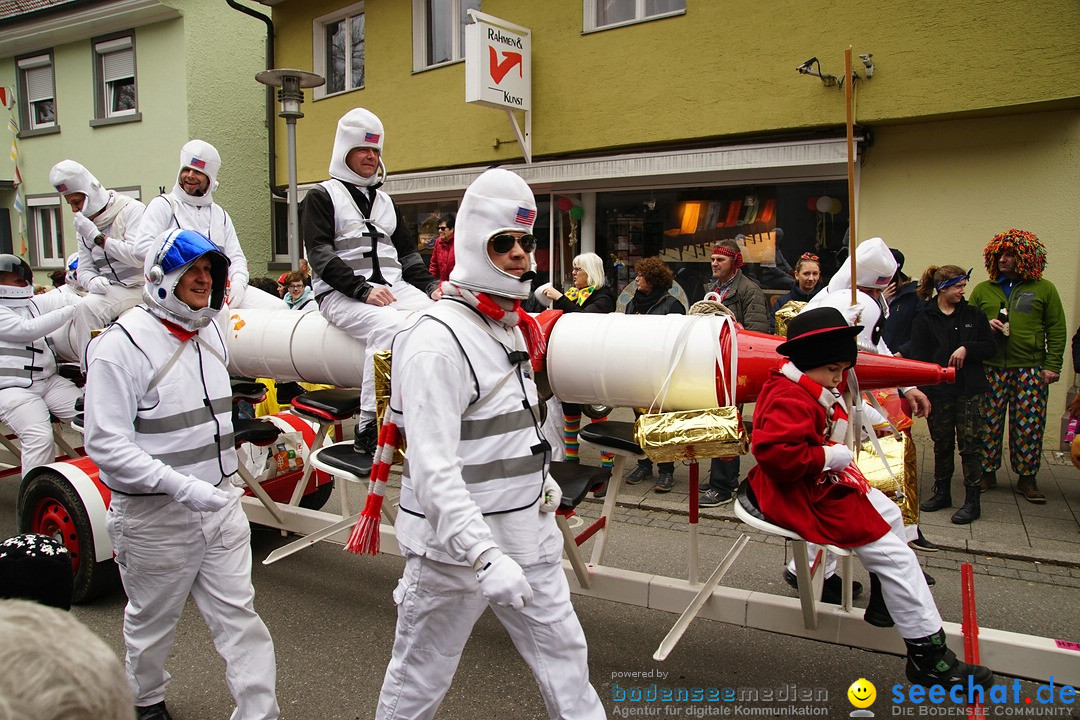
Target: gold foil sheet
{"x":903,"y":460}
{"x":783,"y":315}
{"x":382,"y":363}
{"x":692,"y":434}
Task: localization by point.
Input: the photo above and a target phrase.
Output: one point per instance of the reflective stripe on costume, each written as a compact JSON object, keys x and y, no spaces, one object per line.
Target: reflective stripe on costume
{"x":503,"y":465}
{"x":353,"y":236}
{"x":109,"y":266}
{"x":22,"y":363}
{"x":184,"y":421}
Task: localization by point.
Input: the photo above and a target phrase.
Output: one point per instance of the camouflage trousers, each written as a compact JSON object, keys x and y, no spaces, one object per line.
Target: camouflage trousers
{"x":957,"y":422}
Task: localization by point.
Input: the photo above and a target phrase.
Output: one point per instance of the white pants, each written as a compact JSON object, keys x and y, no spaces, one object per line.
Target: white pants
{"x":92,"y":313}
{"x":438,"y":604}
{"x":373,"y":325}
{"x":166,"y":552}
{"x":903,"y":584}
{"x":26,"y":412}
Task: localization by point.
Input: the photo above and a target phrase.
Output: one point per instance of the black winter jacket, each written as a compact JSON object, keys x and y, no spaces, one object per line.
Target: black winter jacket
{"x":934,"y":337}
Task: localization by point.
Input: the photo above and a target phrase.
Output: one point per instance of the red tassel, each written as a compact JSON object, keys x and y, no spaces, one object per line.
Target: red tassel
{"x":364,"y":539}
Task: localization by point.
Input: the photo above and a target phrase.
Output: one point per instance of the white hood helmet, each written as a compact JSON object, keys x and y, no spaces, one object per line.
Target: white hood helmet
{"x":876,"y":267}
{"x":357,"y":128}
{"x":202,"y":156}
{"x":10,"y":294}
{"x":69,"y":177}
{"x":496,"y":202}
{"x":175,"y":251}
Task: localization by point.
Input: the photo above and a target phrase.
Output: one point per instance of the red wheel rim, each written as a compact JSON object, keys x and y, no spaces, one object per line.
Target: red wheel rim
{"x":53,"y":519}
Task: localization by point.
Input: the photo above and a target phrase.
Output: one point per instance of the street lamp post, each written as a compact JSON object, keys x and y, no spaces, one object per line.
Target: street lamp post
{"x":290,"y":84}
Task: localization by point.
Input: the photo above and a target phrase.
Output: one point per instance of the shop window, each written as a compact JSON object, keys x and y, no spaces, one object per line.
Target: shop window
{"x":422,"y":220}
{"x":115,"y":96}
{"x":439,"y":31}
{"x":604,"y":14}
{"x":682,"y":226}
{"x":46,"y":238}
{"x":37,"y":94}
{"x":338,"y":46}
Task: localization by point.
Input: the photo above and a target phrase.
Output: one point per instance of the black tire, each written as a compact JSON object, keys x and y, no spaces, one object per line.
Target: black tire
{"x":316,"y":500}
{"x":49,"y":505}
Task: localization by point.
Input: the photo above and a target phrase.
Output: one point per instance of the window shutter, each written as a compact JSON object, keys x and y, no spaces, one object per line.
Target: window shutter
{"x":118,"y":65}
{"x":39,"y":83}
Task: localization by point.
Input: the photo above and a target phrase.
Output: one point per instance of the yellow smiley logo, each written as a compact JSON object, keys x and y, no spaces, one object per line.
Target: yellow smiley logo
{"x":862,"y":693}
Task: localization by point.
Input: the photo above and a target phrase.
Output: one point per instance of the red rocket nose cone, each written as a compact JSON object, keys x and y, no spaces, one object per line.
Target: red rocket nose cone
{"x":757,"y":357}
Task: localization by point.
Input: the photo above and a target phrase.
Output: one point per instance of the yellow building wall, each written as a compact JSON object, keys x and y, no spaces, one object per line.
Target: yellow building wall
{"x":720,"y":71}
{"x":940,"y":191}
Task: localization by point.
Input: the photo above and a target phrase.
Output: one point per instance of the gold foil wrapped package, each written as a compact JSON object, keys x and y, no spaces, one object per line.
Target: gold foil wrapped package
{"x":692,"y":434}
{"x":783,"y":315}
{"x":904,"y":488}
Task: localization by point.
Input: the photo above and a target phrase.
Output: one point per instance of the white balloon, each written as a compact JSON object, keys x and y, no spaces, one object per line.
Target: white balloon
{"x":824,"y":204}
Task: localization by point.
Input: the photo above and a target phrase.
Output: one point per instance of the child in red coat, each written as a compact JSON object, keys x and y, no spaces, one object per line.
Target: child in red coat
{"x":805,"y":481}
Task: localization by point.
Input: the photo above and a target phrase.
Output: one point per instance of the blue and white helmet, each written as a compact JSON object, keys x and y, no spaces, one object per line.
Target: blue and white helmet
{"x":176,"y":251}
{"x":71,"y":277}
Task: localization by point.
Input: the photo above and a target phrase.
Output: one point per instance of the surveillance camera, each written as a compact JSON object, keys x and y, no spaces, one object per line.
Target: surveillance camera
{"x":805,"y":68}
{"x":868,"y":64}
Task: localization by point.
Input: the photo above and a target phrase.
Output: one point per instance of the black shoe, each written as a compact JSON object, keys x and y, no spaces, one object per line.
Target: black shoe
{"x":940,"y":500}
{"x":930,"y":663}
{"x":713,"y":498}
{"x":364,"y":445}
{"x":922,"y":544}
{"x":664,"y":483}
{"x":971,"y":510}
{"x":157,"y":711}
{"x":832,"y":590}
{"x":639,"y":474}
{"x":877,"y":613}
{"x":931,"y":581}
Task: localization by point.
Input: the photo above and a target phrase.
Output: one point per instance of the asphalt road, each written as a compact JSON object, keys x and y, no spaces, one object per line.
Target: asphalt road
{"x":332,"y":620}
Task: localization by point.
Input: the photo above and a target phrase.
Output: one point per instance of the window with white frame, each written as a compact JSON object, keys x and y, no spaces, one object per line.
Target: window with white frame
{"x":46,"y":237}
{"x":36,"y":91}
{"x":338,"y":45}
{"x":439,"y":31}
{"x":114,"y":72}
{"x":603,"y":14}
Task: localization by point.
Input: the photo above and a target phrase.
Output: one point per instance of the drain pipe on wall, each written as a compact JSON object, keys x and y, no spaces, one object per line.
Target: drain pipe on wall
{"x":271,"y":121}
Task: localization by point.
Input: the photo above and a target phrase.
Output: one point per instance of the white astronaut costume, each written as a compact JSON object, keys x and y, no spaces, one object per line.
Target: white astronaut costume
{"x":475,"y":520}
{"x":29,"y":387}
{"x":178,"y":209}
{"x":110,"y":267}
{"x":158,"y":425}
{"x":344,"y":265}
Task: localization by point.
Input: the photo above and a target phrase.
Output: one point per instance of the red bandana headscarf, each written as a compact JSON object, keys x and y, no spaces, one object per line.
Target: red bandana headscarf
{"x":721,"y":250}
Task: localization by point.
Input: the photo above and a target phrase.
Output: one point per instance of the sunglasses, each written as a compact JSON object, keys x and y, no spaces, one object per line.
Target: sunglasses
{"x":442,"y":228}
{"x":505,"y":243}
{"x":809,"y":256}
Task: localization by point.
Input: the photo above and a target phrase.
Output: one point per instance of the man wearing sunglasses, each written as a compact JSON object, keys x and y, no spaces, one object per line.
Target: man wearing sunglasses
{"x":476,"y":520}
{"x":365,"y":264}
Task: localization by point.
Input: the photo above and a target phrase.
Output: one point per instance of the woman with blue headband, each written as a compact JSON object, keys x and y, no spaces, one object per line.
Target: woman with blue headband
{"x":950,"y":332}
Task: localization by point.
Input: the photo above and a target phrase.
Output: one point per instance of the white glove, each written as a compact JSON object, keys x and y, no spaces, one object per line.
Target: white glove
{"x":86,"y":228}
{"x":503,"y":582}
{"x":552,"y":495}
{"x":98,"y":285}
{"x":837,"y":457}
{"x":237,"y":286}
{"x":201,"y":496}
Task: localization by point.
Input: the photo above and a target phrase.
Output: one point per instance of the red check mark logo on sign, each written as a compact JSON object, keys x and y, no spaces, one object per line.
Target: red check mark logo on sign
{"x":499,"y":69}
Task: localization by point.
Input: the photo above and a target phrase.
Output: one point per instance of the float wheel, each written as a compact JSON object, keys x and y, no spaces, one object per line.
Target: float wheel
{"x":49,"y":505}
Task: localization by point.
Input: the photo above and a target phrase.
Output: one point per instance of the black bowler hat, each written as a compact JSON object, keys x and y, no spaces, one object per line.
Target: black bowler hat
{"x":820,"y":337}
